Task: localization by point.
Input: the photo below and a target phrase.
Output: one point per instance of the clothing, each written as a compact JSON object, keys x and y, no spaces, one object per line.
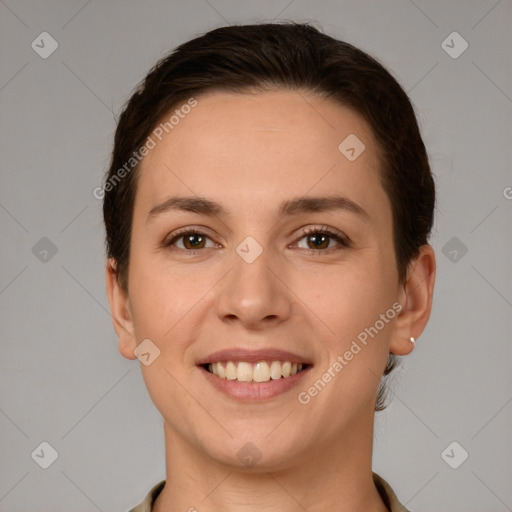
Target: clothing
{"x":387,"y":494}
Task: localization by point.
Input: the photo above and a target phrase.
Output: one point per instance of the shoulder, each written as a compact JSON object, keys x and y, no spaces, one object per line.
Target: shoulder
{"x":151,"y":497}
{"x":387,"y":494}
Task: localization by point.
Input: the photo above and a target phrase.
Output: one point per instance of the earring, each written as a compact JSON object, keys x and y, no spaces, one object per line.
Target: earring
{"x":412,"y":340}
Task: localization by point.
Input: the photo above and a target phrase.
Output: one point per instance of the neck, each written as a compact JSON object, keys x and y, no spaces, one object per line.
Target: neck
{"x":333,"y":476}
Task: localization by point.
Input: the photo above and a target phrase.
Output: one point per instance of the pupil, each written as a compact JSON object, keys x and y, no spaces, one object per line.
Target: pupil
{"x":192,"y":237}
{"x":318,"y":238}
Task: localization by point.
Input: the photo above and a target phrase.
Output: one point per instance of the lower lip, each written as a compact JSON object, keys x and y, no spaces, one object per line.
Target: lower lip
{"x":254,"y":391}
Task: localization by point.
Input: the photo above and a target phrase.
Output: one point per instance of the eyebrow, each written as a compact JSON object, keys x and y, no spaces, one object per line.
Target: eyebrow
{"x":290,"y":207}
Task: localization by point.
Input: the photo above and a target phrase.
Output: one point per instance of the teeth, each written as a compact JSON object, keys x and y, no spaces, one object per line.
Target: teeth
{"x":231,"y":370}
{"x":275,"y":370}
{"x":244,"y":372}
{"x":259,"y":372}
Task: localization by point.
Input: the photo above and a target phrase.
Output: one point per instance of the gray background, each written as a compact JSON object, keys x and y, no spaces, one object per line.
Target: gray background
{"x":61,"y":378}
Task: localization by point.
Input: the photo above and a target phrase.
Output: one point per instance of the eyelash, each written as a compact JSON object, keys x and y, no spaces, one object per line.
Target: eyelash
{"x":338,"y":236}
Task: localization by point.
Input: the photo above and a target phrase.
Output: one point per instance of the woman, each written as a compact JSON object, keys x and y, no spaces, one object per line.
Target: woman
{"x":267,"y":210}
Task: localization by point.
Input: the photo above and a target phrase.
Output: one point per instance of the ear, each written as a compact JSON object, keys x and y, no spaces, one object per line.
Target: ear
{"x":416,"y":299}
{"x":120,"y":311}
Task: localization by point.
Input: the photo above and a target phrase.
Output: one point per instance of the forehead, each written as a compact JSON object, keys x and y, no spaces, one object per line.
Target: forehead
{"x":273,"y":117}
{"x":276,"y":144}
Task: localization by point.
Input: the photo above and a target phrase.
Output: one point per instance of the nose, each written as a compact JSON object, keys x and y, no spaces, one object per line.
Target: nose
{"x":254,"y":294}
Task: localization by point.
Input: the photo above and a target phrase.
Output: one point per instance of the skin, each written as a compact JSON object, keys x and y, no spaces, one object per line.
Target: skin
{"x":250,"y":152}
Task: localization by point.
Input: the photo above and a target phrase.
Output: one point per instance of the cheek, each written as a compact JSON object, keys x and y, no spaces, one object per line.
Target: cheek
{"x":353,"y":315}
{"x":169,"y":302}
{"x":348,"y":295}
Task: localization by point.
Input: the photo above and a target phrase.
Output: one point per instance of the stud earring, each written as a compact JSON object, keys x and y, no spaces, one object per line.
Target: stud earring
{"x":412,"y":340}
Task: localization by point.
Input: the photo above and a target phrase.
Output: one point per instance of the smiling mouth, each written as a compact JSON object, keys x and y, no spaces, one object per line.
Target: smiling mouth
{"x":262,"y":371}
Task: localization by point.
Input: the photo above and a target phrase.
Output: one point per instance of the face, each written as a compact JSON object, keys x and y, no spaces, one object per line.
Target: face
{"x":279,"y":250}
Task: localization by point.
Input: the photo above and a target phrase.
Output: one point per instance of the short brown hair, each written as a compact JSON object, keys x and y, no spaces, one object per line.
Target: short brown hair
{"x":290,"y":56}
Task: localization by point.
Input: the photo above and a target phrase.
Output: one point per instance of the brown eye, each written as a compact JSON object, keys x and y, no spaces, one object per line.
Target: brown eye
{"x":188,"y":241}
{"x":320,"y":239}
{"x":193,"y":241}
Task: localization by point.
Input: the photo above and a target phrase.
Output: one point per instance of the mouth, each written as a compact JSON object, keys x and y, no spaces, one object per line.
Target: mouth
{"x":262,"y":371}
{"x":254,"y":375}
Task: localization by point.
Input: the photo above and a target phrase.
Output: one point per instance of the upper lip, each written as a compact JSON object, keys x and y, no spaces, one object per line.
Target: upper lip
{"x":253,"y":356}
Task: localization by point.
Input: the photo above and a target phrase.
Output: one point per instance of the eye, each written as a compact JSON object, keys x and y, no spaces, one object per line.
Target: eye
{"x":319,"y":239}
{"x":191,"y":240}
